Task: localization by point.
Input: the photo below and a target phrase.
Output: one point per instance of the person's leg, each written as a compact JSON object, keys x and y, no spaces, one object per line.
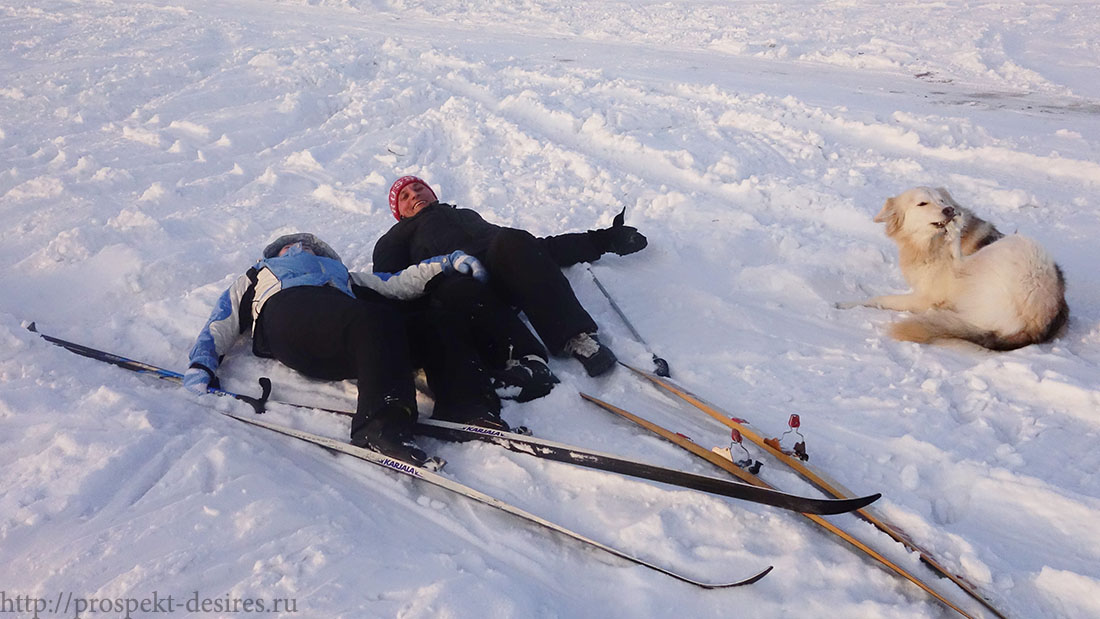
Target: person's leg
{"x":534,"y":282}
{"x":498,"y":332}
{"x":515,"y":358}
{"x":326,"y":334}
{"x":460,"y":384}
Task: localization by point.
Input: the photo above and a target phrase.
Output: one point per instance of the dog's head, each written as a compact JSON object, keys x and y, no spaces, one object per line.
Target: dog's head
{"x":920,"y":213}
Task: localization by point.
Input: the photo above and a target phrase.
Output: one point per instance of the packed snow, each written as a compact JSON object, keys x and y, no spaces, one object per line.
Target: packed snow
{"x":150,"y":149}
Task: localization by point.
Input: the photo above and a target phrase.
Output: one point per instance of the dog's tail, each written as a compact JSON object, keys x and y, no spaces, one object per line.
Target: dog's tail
{"x":946,"y":324}
{"x":937,"y":325}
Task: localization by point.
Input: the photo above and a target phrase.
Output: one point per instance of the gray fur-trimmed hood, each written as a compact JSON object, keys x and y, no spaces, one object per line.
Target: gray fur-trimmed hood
{"x":309,"y":241}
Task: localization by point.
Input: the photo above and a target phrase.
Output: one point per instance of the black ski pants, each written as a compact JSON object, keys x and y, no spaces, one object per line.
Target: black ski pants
{"x":442,"y":344}
{"x":526,"y":277}
{"x":323,"y":333}
{"x":326,"y":334}
{"x":496,"y":330}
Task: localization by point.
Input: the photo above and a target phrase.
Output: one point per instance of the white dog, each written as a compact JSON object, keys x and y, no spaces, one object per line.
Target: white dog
{"x":969,"y":281}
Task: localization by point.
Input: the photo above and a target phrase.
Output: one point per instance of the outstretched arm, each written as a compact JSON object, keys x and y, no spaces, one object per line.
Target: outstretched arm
{"x":222,"y":329}
{"x":411,"y":283}
{"x":569,"y":249}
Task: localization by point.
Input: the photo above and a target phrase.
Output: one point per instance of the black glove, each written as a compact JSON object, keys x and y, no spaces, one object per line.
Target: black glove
{"x":619,"y":238}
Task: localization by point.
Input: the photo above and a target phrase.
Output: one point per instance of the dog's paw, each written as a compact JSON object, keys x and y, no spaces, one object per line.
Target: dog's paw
{"x":952,"y":229}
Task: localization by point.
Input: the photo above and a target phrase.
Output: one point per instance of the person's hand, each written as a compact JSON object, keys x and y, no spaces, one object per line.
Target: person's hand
{"x":461,"y":262}
{"x":620,"y":238}
{"x":197,"y":380}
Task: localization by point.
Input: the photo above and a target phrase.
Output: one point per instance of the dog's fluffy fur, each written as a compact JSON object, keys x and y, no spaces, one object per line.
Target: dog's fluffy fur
{"x":969,"y":281}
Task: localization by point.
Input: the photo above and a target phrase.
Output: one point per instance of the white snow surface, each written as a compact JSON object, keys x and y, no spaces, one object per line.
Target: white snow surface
{"x":149,"y":150}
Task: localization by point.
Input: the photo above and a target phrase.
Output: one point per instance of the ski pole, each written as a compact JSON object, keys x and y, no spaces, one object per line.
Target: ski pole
{"x":659,"y":363}
{"x":257,"y":404}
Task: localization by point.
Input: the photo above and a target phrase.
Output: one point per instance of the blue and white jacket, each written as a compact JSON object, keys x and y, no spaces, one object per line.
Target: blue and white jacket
{"x":238,"y":308}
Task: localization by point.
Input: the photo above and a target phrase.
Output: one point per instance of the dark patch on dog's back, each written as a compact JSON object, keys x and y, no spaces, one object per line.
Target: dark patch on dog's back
{"x":994,"y":235}
{"x":978,"y":234}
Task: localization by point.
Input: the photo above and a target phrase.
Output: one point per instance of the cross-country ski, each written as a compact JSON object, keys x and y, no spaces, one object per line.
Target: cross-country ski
{"x":730,"y":466}
{"x":436,"y":479}
{"x":821,"y":480}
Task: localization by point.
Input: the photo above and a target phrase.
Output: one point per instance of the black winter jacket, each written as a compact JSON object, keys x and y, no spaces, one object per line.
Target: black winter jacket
{"x":441,"y":228}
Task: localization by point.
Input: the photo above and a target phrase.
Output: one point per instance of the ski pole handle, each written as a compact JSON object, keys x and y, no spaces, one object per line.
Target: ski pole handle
{"x":662,"y":367}
{"x":258,"y":404}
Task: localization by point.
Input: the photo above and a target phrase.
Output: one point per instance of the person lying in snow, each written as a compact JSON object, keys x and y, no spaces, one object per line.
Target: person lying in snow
{"x":526,"y":273}
{"x":304,"y":308}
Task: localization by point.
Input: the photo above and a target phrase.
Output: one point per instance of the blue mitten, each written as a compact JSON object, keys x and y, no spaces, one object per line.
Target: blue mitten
{"x":461,"y":262}
{"x":197,"y":380}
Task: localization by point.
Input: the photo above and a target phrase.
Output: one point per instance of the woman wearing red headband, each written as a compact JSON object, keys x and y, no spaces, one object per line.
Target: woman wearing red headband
{"x":524,"y":270}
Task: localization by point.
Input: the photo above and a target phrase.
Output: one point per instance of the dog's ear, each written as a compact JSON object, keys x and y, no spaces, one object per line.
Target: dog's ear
{"x":886,"y":212}
{"x":890,"y":216}
{"x":946,"y":197}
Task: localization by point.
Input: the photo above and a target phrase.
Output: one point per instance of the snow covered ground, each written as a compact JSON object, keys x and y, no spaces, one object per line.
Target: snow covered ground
{"x":149,"y":149}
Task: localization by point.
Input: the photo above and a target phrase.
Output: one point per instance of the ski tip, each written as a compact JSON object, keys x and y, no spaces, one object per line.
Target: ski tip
{"x":840,"y":506}
{"x":747,"y":581}
{"x":871,"y":498}
{"x":757,"y":577}
{"x":829,"y":507}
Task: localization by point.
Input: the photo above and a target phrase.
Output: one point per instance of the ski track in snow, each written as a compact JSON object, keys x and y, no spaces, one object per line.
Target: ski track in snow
{"x":148,"y":151}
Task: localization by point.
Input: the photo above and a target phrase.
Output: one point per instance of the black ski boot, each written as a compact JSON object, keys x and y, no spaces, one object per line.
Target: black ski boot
{"x":524,"y":379}
{"x":389,"y":431}
{"x":596,"y":358}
